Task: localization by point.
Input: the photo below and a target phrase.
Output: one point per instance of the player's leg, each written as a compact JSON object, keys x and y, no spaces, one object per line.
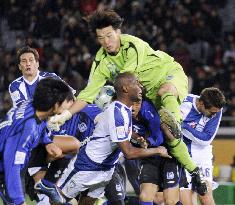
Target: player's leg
{"x":36,"y":171}
{"x":207,"y":199}
{"x":171,"y":172}
{"x":179,"y":150}
{"x":173,"y":90}
{"x":186,"y":196}
{"x":115,"y":191}
{"x":158,"y":198}
{"x":149,"y":179}
{"x":185,"y":190}
{"x":132,"y":171}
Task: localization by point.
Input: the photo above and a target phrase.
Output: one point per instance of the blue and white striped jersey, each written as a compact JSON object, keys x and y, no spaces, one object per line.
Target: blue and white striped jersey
{"x":82,"y":124}
{"x":198,"y":130}
{"x":21,"y":89}
{"x":102,"y":151}
{"x":18,"y":137}
{"x":149,"y":124}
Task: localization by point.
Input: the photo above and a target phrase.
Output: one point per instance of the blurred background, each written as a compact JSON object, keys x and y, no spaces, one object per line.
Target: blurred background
{"x":199,"y":34}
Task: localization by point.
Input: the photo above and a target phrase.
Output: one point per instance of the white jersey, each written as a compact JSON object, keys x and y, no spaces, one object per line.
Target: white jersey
{"x":102,"y":151}
{"x":198,"y":130}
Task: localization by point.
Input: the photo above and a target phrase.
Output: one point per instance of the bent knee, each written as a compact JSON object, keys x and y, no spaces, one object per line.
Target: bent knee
{"x":167,"y":88}
{"x":171,"y":201}
{"x":144,"y":196}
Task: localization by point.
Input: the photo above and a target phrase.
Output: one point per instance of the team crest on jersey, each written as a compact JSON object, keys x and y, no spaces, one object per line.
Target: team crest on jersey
{"x":82,"y":127}
{"x":170,"y":175}
{"x":169,"y":77}
{"x":114,"y":70}
{"x":120,"y":132}
{"x":118,"y":187}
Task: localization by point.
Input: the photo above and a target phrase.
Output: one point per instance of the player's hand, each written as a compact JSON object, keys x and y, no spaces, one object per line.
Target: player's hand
{"x":162,"y":151}
{"x":53,"y":126}
{"x":142,"y":142}
{"x":59,"y":120}
{"x":53,"y":150}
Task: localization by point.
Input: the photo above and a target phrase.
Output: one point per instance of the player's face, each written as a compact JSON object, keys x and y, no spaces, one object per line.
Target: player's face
{"x":109,"y":39}
{"x":135,"y":90}
{"x":209,"y":112}
{"x":64,"y":106}
{"x":136,"y":108}
{"x":28,"y":65}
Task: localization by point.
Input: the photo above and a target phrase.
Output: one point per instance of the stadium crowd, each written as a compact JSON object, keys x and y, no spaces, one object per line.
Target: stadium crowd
{"x":189,"y":30}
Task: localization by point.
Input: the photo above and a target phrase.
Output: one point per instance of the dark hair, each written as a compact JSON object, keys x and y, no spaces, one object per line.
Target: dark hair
{"x":212,"y":97}
{"x":27,"y":49}
{"x":121,"y":80}
{"x":104,"y":18}
{"x":50,"y":91}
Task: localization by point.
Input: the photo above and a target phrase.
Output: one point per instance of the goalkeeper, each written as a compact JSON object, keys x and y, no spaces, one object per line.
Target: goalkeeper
{"x":163,"y":79}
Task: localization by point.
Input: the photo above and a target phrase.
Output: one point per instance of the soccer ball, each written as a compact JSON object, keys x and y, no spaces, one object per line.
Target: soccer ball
{"x":105,"y":96}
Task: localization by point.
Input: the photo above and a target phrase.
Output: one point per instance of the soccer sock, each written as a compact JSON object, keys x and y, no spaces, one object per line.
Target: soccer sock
{"x":180,"y":151}
{"x":146,"y":203}
{"x":169,"y":101}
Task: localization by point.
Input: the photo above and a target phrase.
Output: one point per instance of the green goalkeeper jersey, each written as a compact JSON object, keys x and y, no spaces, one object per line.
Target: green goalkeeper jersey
{"x":135,"y":55}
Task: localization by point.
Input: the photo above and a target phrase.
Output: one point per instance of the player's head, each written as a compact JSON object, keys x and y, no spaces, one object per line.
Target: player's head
{"x":105,"y":96}
{"x":136,"y":108}
{"x":106,"y":25}
{"x":128,"y":87}
{"x":52,"y":95}
{"x":211,"y":101}
{"x":28,"y":61}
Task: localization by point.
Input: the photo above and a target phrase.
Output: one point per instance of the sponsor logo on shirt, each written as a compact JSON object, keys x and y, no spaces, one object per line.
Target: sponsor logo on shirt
{"x":15,"y":95}
{"x":20,"y":157}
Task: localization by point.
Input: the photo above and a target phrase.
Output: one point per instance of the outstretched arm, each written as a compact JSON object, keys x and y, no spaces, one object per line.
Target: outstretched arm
{"x":131,"y":152}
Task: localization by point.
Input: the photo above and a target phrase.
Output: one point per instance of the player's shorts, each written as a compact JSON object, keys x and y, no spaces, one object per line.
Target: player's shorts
{"x":132,"y":167}
{"x":74,"y":182}
{"x":206,"y":173}
{"x":164,"y":172}
{"x":203,"y":159}
{"x":56,"y":169}
{"x":37,"y":160}
{"x":116,"y":188}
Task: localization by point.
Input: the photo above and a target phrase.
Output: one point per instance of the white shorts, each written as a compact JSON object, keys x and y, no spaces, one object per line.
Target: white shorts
{"x":74,"y":182}
{"x":206,"y":169}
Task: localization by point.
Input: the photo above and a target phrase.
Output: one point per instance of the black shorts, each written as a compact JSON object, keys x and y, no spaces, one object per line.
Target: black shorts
{"x":164,"y":172}
{"x":183,"y":180}
{"x":132,"y":167}
{"x":116,"y":189}
{"x":56,"y":169}
{"x":38,"y":157}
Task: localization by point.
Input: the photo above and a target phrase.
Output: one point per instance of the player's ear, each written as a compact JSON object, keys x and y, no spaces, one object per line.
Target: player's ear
{"x":125,"y":89}
{"x":19,"y":66}
{"x":118,"y":31}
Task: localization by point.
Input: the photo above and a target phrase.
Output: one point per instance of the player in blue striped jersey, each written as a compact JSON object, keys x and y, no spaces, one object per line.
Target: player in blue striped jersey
{"x":201,"y":119}
{"x":24,"y":87}
{"x":95,"y":162}
{"x":156,"y":172}
{"x":24,"y":131}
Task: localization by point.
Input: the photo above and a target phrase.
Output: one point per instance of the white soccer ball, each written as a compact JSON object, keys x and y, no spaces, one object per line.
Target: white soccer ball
{"x":104,"y":98}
